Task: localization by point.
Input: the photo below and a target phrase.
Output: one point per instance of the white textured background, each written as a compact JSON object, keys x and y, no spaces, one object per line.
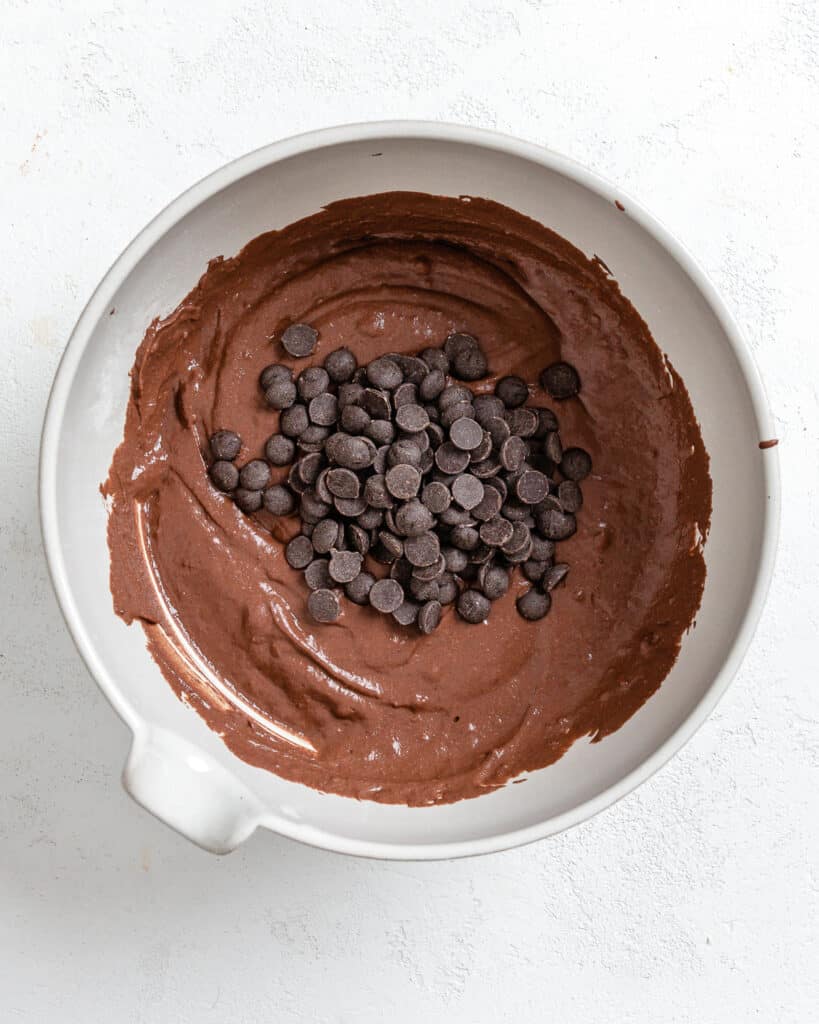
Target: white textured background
{"x":695,"y":899}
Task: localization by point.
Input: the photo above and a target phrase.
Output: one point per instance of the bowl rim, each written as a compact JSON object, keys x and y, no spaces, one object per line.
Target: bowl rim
{"x":229,"y":173}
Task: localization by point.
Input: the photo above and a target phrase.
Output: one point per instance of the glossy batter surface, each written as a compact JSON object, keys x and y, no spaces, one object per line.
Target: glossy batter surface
{"x":364,"y":707}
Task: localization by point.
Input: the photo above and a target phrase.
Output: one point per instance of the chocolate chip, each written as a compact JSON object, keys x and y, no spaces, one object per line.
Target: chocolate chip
{"x":393,"y":545}
{"x":380,"y":460}
{"x":483,"y":450}
{"x":458,"y":342}
{"x":436,"y":359}
{"x":386,"y":595}
{"x":456,"y":411}
{"x":279,"y":450}
{"x":561,"y":380}
{"x":453,"y":395}
{"x":533,"y":570}
{"x":294,"y":421}
{"x":546,"y":422}
{"x":401,"y":571}
{"x":473,"y":606}
{"x":313,"y":438}
{"x":345,"y":565}
{"x":380,"y":431}
{"x":576,"y":464}
{"x":324,"y":605}
{"x":359,"y":538}
{"x":450,"y":459}
{"x":420,"y":439}
{"x":549,"y":503}
{"x":279,"y":500}
{"x":488,"y":407}
{"x":519,"y":544}
{"x":405,"y":394}
{"x":422,"y":550}
{"x":433,"y":571}
{"x":312,"y":382}
{"x":512,"y":391}
{"x":456,"y":560}
{"x":281,"y":394}
{"x":552,"y":448}
{"x":403,"y":481}
{"x":413,"y":518}
{"x":351,"y":508}
{"x":499,"y":484}
{"x":432,"y":385}
{"x":531,"y":486}
{"x":486,"y":469}
{"x":404,"y":453}
{"x":406,"y":613}
{"x":376,"y":493}
{"x":466,"y":434}
{"x":224,"y":475}
{"x":349,"y":394}
{"x":254,"y":475}
{"x":494,"y":581}
{"x":317,"y":575}
{"x":348,"y":451}
{"x":467,"y":490}
{"x":515,"y":511}
{"x":384,"y":373}
{"x":299,"y":552}
{"x":436,"y":497}
{"x":321,"y":488}
{"x":323,"y":410}
{"x":299,"y":340}
{"x":325,"y":536}
{"x":489,"y":505}
{"x":498,"y":430}
{"x":354,"y":419}
{"x":343,"y":483}
{"x":377,"y":403}
{"x":412,"y":419}
{"x":542,"y":550}
{"x":225,"y":445}
{"x":340,"y":365}
{"x":248,"y":501}
{"x":429,"y":617}
{"x":358,"y":589}
{"x":533,"y":605}
{"x":556,"y":525}
{"x":413,"y":368}
{"x":513,"y":454}
{"x":496,"y":531}
{"x":469,"y":364}
{"x":370,"y":519}
{"x":455,"y":516}
{"x":554,"y":576}
{"x":522,"y":422}
{"x":294,"y":480}
{"x":447,"y":589}
{"x":309,"y":467}
{"x":424,"y":590}
{"x":274,"y":372}
{"x":466,"y":538}
{"x":570,"y":496}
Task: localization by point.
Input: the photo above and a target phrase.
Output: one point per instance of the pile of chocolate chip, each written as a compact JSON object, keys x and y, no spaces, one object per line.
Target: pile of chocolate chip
{"x":396,"y":463}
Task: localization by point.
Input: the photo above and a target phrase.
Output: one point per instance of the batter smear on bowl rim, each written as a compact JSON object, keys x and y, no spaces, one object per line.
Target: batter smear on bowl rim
{"x":354,"y":586}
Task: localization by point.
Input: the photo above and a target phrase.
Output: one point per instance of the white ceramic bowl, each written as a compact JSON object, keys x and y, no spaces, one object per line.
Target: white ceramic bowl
{"x":177,"y":767}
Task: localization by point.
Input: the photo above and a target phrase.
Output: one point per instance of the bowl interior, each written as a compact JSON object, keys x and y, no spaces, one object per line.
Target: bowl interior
{"x":274,"y":190}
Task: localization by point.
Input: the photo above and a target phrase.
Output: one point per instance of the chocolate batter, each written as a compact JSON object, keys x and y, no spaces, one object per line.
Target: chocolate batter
{"x":364,"y":707}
